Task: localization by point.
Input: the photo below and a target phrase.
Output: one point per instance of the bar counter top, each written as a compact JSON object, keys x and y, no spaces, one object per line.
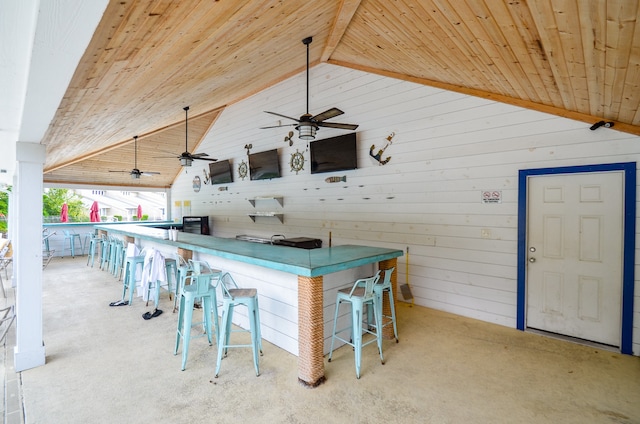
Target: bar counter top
{"x":303,"y":262}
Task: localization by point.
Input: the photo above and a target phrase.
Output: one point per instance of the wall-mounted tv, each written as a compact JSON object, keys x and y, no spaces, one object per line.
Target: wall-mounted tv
{"x":220,"y":172}
{"x":334,"y":154}
{"x":264,"y":165}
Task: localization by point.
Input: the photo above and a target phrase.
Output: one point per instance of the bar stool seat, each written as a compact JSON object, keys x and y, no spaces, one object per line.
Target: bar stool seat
{"x":359,"y":295}
{"x":234,"y":296}
{"x":199,"y":286}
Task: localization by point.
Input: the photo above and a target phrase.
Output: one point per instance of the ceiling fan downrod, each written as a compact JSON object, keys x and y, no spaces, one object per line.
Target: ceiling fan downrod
{"x":306,"y":42}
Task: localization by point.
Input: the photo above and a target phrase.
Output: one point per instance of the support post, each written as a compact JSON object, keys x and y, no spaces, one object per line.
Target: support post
{"x":310,"y":331}
{"x":29,"y":351}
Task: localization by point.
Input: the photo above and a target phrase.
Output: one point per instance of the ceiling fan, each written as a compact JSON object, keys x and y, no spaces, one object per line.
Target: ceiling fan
{"x":135,"y":172}
{"x":308,"y":124}
{"x":185,"y":157}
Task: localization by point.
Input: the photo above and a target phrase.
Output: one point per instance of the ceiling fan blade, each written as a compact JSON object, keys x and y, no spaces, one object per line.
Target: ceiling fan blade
{"x":149,"y":173}
{"x":198,"y":155}
{"x":278,"y":126}
{"x":337,"y":125}
{"x":199,"y":158}
{"x":282,"y":116}
{"x":121,"y":171}
{"x":327,"y":114}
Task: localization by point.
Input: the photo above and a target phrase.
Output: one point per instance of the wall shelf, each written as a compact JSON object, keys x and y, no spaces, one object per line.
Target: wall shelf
{"x":255,"y":215}
{"x":279,"y":215}
{"x":279,"y":199}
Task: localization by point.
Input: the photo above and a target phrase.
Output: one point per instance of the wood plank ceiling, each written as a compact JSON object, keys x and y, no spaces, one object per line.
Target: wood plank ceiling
{"x":150,"y":58}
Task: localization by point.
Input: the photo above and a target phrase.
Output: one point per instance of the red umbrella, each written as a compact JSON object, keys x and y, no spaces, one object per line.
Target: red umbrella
{"x":64,"y":213}
{"x":139,"y":212}
{"x":95,"y":212}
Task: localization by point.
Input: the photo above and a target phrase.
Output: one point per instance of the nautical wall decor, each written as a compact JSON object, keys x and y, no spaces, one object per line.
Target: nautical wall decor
{"x":336,"y":179}
{"x":378,"y":156}
{"x":196,"y":184}
{"x":243,"y":169}
{"x":289,"y":138}
{"x":206,"y":177}
{"x":297,"y":161}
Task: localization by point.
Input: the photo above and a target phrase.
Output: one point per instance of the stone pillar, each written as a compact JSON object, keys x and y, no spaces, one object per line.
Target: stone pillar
{"x":29,"y":351}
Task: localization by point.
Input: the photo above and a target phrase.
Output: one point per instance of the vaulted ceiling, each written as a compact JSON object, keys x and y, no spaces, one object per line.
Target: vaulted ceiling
{"x":149,"y":58}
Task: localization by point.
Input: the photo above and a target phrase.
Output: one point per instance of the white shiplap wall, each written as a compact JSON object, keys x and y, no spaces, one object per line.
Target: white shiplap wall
{"x":447,"y":148}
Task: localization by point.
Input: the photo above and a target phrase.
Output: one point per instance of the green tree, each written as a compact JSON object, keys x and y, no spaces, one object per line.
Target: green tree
{"x":4,"y":208}
{"x":54,"y":198}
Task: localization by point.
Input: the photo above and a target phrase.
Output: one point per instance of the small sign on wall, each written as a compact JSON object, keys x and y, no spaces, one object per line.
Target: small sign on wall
{"x":491,"y":196}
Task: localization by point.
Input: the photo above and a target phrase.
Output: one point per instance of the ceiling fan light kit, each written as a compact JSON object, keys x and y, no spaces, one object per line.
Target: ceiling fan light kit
{"x":306,"y":131}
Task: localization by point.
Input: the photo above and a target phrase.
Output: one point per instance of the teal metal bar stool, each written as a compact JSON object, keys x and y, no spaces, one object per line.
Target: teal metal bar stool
{"x":71,"y":237}
{"x":130,"y":280}
{"x":118,"y":258}
{"x":379,"y":290}
{"x":122,"y":260}
{"x":104,"y":254}
{"x":184,"y":270}
{"x":107,"y":259}
{"x":95,"y":243}
{"x":115,"y":255}
{"x":359,"y":295}
{"x":199,"y":286}
{"x":155,"y":279}
{"x":171,"y":265}
{"x":234,"y":296}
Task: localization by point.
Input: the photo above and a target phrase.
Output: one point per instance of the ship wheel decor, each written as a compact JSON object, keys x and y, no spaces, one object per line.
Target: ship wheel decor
{"x":243,"y":169}
{"x":297,"y":161}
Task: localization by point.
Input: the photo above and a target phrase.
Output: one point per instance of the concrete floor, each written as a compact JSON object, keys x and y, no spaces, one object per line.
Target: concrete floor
{"x":108,"y":365}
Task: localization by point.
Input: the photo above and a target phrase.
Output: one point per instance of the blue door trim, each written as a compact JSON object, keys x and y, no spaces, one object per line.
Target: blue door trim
{"x":629,"y":243}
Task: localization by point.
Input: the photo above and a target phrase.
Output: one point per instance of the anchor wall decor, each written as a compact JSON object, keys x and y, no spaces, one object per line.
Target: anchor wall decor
{"x":206,"y":177}
{"x":378,"y":156}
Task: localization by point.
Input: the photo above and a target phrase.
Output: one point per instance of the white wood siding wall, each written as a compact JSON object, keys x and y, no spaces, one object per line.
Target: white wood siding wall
{"x":447,"y":148}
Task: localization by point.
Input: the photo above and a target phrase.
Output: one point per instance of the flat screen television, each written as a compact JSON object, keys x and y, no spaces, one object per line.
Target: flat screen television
{"x":264,"y":165}
{"x":334,"y":154}
{"x":220,"y":172}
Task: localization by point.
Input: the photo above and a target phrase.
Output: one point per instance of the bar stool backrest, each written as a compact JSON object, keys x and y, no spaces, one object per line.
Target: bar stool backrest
{"x":202,"y":283}
{"x":364,"y":283}
{"x":199,"y":267}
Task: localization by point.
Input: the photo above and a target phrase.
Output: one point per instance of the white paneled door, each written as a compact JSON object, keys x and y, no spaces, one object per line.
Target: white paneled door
{"x":574,"y":254}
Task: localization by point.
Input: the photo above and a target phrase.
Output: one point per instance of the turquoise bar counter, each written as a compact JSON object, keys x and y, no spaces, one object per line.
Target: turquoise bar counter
{"x":307,"y":268}
{"x":307,"y":263}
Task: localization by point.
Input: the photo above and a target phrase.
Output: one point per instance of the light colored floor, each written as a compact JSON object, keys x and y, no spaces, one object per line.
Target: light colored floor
{"x":108,"y":365}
